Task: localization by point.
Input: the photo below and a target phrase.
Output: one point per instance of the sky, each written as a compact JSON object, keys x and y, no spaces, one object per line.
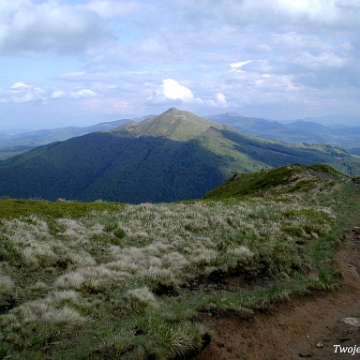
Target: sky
{"x":81,"y":62}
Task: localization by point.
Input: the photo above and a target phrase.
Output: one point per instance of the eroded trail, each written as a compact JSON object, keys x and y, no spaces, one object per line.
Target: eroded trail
{"x":307,"y":326}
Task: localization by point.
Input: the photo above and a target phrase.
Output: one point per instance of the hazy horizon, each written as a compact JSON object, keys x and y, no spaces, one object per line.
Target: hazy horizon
{"x":331,"y":120}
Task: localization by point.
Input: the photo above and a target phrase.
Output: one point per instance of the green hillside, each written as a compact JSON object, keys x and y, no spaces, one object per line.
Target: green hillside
{"x":170,"y":157}
{"x":100,"y":280}
{"x":284,"y":179}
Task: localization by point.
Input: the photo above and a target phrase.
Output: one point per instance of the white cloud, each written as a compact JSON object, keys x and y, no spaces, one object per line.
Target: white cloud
{"x":111,"y":9}
{"x":75,"y":94}
{"x":329,"y":60}
{"x":311,"y":8}
{"x":28,"y":26}
{"x":171,"y":90}
{"x":21,"y":92}
{"x":240,"y":64}
{"x":274,"y":14}
{"x":58,"y":94}
{"x":73,"y":75}
{"x":83,"y":93}
{"x":236,"y":67}
{"x":20,"y":85}
{"x":220,"y":99}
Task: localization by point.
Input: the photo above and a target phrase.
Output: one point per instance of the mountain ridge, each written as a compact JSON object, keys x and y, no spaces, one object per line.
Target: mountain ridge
{"x":296,"y":131}
{"x":11,"y":145}
{"x":174,"y":156}
{"x":306,"y":130}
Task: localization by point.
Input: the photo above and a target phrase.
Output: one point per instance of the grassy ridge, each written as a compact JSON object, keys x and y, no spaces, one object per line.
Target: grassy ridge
{"x":107,"y":280}
{"x":295,"y":177}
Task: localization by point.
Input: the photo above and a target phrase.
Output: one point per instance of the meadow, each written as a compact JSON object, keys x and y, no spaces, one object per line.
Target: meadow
{"x":109,"y":280}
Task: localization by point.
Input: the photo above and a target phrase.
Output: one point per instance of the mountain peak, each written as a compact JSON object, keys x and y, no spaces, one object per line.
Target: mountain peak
{"x":173,"y":124}
{"x":172,"y":111}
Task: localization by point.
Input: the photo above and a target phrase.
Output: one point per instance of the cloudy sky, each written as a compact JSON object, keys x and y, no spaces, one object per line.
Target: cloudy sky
{"x":82,"y":62}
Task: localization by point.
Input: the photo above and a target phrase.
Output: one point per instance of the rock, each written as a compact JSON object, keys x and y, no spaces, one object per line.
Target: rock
{"x":306,"y":354}
{"x":355,"y":322}
{"x":320,"y":345}
{"x":344,"y":338}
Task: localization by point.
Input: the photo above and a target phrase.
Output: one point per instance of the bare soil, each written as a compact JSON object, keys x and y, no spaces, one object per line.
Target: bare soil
{"x":305,"y":327}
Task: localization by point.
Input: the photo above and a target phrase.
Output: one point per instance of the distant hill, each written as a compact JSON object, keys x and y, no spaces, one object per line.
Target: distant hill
{"x":335,"y":120}
{"x":174,"y":156}
{"x":310,"y":130}
{"x":13,"y":144}
{"x":355,"y":151}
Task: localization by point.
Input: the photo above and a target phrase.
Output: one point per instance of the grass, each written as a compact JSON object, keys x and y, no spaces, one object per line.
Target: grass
{"x":14,"y":208}
{"x":106,"y":280}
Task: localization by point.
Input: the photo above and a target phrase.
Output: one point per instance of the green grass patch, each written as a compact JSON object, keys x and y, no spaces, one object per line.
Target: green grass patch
{"x":12,"y":208}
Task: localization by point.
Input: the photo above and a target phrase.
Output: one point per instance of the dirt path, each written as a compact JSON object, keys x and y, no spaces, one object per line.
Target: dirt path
{"x":307,"y":326}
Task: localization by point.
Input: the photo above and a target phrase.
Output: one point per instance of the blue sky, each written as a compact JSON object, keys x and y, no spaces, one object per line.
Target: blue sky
{"x":67,"y":62}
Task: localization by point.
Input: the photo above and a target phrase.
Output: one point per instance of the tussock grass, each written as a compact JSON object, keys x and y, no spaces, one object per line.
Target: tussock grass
{"x":6,"y":288}
{"x":100,"y":281}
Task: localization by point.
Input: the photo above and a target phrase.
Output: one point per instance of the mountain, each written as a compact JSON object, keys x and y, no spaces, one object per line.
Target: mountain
{"x":299,"y":131}
{"x":248,"y":125}
{"x":174,"y":156}
{"x":14,"y":144}
{"x":173,"y":124}
{"x":335,"y":120}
